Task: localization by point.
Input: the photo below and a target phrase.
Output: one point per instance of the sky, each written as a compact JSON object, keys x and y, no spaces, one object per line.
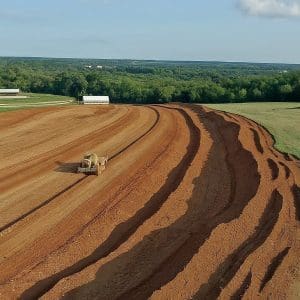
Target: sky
{"x":218,"y":30}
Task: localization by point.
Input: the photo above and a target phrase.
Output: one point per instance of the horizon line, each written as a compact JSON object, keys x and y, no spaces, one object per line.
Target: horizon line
{"x":155,"y":60}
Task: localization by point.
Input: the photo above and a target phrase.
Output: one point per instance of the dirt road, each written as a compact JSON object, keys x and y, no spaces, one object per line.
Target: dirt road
{"x":194,"y":204}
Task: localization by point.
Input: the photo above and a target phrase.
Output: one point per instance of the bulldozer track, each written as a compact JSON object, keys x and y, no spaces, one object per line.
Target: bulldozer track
{"x":197,"y":204}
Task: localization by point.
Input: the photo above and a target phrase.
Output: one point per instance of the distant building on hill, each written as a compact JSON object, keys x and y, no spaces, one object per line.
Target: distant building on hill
{"x":95,"y":100}
{"x":9,"y":92}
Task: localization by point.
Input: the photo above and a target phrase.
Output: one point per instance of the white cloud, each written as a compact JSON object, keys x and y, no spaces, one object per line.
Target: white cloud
{"x":271,"y":8}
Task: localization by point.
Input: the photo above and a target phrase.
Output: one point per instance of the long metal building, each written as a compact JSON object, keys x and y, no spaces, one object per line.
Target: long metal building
{"x":95,"y":100}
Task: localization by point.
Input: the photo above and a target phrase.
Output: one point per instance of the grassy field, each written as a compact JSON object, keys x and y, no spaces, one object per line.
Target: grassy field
{"x":281,"y":119}
{"x":33,"y":100}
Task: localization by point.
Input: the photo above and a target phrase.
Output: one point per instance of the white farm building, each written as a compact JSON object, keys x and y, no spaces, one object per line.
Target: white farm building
{"x":95,"y":100}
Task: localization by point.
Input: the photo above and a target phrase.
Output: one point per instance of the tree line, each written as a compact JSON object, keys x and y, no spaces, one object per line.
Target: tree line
{"x":129,"y":83}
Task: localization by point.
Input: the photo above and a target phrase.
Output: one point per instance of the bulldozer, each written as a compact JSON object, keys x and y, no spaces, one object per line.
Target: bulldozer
{"x":92,"y":164}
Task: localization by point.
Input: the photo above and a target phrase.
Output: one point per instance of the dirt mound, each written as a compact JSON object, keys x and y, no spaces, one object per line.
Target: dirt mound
{"x":194,"y":204}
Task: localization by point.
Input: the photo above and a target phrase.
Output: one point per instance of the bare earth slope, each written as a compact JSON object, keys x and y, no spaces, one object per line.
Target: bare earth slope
{"x":194,"y":204}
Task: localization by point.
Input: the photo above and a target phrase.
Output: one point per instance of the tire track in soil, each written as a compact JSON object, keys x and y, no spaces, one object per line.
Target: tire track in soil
{"x":54,"y":197}
{"x":275,"y":263}
{"x":227,"y":270}
{"x":200,"y":232}
{"x":122,"y":232}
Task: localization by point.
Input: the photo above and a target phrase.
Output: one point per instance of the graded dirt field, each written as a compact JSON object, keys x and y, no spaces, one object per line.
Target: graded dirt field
{"x":194,"y":204}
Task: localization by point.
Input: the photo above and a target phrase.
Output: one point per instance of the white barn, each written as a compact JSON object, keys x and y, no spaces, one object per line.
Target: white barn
{"x":95,"y":100}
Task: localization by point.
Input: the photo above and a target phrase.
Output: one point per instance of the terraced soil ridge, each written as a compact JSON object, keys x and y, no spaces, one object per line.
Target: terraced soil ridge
{"x":194,"y":204}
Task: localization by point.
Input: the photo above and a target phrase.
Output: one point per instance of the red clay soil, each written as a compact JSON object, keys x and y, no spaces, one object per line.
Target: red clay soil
{"x":194,"y":204}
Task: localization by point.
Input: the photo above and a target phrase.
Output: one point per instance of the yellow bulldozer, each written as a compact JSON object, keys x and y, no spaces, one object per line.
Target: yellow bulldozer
{"x":92,"y":164}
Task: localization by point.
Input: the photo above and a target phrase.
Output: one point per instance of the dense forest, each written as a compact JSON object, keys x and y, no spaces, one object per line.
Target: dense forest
{"x":153,"y":81}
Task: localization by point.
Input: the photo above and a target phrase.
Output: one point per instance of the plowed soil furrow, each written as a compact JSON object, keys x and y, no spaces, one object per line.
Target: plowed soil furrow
{"x":194,"y":204}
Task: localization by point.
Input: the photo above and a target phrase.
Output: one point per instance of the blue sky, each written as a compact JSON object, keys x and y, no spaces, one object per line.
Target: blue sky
{"x":227,"y":30}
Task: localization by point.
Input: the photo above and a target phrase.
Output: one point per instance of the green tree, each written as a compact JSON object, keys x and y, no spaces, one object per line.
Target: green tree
{"x":285,"y":90}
